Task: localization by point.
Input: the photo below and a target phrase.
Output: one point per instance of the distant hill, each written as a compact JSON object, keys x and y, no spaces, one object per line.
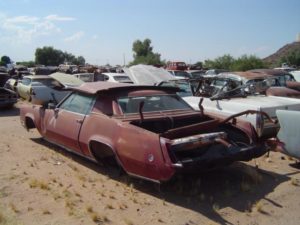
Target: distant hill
{"x":282,"y":52}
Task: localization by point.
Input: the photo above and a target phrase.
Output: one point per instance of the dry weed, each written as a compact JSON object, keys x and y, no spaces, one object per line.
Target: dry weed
{"x":128,"y":221}
{"x":13,"y":207}
{"x":34,"y":183}
{"x":97,"y":218}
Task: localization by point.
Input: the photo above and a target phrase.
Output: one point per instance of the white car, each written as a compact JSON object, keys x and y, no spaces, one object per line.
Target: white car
{"x":114,"y":77}
{"x":296,"y":75}
{"x":289,"y":133}
{"x":40,"y":89}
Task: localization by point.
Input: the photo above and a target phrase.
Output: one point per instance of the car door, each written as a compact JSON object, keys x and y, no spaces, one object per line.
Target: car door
{"x":64,"y":126}
{"x":23,"y":88}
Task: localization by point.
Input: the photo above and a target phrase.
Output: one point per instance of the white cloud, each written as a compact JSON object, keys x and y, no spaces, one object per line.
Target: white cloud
{"x":23,"y":29}
{"x":22,"y":19}
{"x":75,"y":37}
{"x":58,"y":18}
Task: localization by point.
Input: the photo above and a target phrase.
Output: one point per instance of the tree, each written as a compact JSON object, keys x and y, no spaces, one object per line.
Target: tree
{"x":5,"y":60}
{"x":143,"y":53}
{"x":49,"y":56}
{"x":222,"y":62}
{"x":227,"y":62}
{"x":80,"y":61}
{"x":245,"y":63}
{"x":292,"y":58}
{"x":26,"y":63}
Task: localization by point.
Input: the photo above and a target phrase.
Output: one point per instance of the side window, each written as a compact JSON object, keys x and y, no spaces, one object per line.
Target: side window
{"x":78,"y":103}
{"x":26,"y":81}
{"x":281,"y":80}
{"x":106,"y":78}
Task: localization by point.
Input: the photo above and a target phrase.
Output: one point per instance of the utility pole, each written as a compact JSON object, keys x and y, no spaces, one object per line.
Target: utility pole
{"x":124,"y":62}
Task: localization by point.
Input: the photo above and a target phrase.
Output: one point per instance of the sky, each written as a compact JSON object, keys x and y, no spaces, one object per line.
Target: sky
{"x":103,"y":31}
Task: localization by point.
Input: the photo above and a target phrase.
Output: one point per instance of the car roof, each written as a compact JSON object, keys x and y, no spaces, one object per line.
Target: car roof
{"x":116,"y":74}
{"x":103,"y":86}
{"x":274,"y":72}
{"x":243,"y":75}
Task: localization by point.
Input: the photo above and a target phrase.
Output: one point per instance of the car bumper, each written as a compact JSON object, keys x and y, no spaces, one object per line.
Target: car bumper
{"x":218,"y":157}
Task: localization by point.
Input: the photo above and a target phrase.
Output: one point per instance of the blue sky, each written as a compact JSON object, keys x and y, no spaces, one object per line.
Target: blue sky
{"x":102,"y":31}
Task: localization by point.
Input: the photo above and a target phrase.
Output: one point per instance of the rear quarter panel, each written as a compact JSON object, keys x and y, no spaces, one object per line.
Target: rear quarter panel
{"x":137,"y":149}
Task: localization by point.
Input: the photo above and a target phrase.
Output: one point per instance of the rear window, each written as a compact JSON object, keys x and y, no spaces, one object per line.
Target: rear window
{"x":118,"y":78}
{"x":156,"y":103}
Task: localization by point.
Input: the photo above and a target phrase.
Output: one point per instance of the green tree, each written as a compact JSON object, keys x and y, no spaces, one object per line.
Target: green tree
{"x":26,"y":63}
{"x":222,"y":62}
{"x":5,"y":60}
{"x":80,"y":61}
{"x":242,"y":63}
{"x":49,"y":56}
{"x":143,"y":53}
{"x":245,"y":63}
{"x":292,"y":58}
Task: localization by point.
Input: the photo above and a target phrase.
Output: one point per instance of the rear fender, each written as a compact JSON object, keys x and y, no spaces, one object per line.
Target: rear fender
{"x":103,"y":144}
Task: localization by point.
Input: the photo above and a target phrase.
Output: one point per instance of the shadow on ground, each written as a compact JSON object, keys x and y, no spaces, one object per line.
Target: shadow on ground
{"x":11,"y":111}
{"x":239,"y":186}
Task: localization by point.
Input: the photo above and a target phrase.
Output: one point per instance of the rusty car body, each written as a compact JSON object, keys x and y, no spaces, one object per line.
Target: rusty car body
{"x":148,"y":131}
{"x":7,"y":97}
{"x":286,"y":85}
{"x":233,"y":92}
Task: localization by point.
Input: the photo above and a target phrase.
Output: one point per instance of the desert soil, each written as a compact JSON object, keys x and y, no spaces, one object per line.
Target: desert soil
{"x":43,"y":184}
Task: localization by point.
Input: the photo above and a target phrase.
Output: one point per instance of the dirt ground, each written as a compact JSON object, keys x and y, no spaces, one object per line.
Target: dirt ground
{"x":43,"y":184}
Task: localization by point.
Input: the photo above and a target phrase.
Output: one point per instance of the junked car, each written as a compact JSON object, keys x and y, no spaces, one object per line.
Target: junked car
{"x":149,"y":131}
{"x":296,"y":74}
{"x":39,"y":89}
{"x":289,"y":133}
{"x":7,"y":98}
{"x":286,"y":85}
{"x":225,"y":96}
{"x":180,"y":74}
{"x":114,"y":77}
{"x":230,"y":93}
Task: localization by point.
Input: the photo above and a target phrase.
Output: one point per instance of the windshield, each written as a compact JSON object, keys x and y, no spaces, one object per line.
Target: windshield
{"x":156,"y":103}
{"x":184,"y":86}
{"x":182,"y":74}
{"x":217,"y":89}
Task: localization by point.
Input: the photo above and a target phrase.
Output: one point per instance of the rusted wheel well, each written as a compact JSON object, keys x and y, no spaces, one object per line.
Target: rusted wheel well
{"x":103,"y":153}
{"x":29,"y":123}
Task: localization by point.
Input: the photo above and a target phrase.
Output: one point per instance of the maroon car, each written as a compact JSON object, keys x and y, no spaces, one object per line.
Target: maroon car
{"x":149,"y":131}
{"x":286,"y":84}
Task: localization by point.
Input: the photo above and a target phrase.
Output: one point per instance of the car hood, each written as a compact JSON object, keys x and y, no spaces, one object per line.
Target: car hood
{"x":147,"y":75}
{"x":66,"y":80}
